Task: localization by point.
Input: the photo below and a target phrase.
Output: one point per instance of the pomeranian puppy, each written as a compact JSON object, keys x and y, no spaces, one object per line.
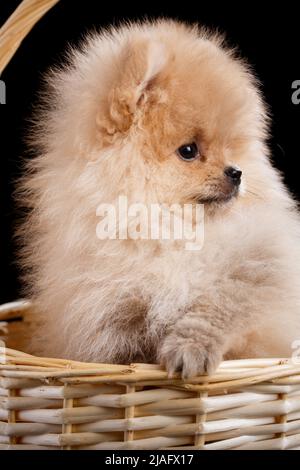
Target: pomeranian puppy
{"x":159,"y":112}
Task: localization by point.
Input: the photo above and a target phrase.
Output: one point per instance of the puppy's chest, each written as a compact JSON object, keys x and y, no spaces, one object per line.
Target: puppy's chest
{"x":130,"y":313}
{"x":169,"y":282}
{"x":176,"y":280}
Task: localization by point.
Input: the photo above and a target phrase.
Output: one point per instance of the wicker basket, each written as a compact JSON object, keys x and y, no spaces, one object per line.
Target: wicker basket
{"x":59,"y":404}
{"x":54,"y":403}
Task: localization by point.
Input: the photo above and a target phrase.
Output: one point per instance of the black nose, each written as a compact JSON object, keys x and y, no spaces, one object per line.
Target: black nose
{"x":234,"y":174}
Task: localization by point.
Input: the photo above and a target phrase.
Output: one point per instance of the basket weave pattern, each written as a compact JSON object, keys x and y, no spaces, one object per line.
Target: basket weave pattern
{"x":59,"y":404}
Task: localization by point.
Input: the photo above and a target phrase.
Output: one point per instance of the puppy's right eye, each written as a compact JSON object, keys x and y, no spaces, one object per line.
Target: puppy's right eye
{"x":188,"y":152}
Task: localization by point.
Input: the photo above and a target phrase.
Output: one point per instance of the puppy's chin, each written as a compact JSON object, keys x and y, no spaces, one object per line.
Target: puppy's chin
{"x":220,"y":199}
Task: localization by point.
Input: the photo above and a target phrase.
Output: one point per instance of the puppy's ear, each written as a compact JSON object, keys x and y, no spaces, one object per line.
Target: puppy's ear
{"x":143,"y":62}
{"x":141,"y":65}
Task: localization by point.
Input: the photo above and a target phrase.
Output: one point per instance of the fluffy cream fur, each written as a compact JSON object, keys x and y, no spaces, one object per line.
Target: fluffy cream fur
{"x":110,"y":125}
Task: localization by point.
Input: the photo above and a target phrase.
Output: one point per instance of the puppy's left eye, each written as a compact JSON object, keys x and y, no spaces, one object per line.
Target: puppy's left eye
{"x":188,"y":152}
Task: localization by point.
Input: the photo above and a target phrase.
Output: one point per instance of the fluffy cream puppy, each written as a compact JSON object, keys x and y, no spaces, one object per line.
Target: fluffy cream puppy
{"x":160,"y":113}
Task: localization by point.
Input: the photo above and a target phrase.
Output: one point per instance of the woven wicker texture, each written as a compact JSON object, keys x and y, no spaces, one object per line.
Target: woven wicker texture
{"x":58,"y":404}
{"x":55,"y":403}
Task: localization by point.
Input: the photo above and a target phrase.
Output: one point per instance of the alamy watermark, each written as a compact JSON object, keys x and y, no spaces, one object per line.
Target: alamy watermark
{"x":138,"y":221}
{"x":2,"y":92}
{"x":296,"y":92}
{"x":2,"y":352}
{"x":296,"y":351}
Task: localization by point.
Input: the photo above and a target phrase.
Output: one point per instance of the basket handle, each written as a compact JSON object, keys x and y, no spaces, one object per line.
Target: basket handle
{"x":18,"y":25}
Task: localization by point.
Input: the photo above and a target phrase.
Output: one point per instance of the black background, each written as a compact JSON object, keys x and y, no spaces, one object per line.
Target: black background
{"x":267,"y":34}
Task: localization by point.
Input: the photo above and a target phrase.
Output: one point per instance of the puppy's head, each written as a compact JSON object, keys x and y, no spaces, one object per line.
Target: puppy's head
{"x":177,"y":111}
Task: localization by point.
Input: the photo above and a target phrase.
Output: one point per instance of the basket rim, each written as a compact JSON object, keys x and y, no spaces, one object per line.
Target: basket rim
{"x":230,"y":373}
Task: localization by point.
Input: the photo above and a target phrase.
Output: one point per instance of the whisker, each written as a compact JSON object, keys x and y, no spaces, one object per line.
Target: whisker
{"x":258,"y":196}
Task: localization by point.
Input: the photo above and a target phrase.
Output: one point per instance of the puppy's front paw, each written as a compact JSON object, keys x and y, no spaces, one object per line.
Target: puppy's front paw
{"x":189,"y":356}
